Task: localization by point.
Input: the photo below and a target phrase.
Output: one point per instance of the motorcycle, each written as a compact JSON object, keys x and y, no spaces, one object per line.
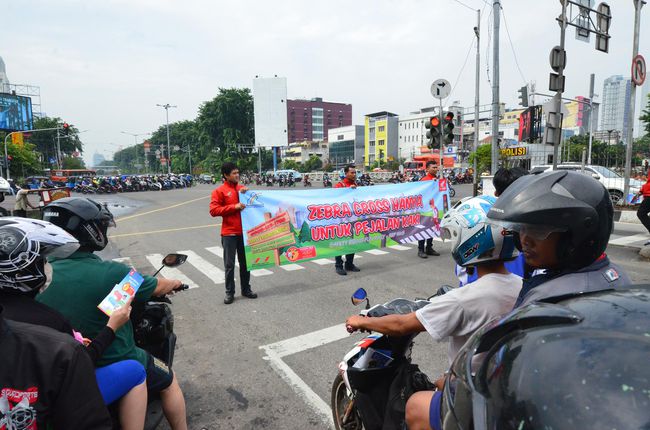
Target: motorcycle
{"x":153,"y":331}
{"x":376,"y":377}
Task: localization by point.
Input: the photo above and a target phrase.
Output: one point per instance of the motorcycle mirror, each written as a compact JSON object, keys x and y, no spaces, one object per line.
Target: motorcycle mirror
{"x":174,"y":260}
{"x":359,"y":296}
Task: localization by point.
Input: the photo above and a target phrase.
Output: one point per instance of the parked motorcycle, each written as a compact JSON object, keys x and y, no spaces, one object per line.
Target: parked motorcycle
{"x":376,"y":377}
{"x":153,"y":329}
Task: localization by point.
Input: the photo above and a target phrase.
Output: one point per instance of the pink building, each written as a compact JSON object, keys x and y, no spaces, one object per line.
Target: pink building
{"x":309,"y":120}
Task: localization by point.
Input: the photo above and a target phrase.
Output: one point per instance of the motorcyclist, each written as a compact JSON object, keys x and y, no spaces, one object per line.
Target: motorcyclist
{"x":32,"y":395}
{"x":561,"y":221}
{"x":74,"y":296}
{"x":458,"y":313}
{"x":577,"y":364}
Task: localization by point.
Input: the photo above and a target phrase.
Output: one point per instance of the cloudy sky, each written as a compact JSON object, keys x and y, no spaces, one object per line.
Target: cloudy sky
{"x":104,"y":65}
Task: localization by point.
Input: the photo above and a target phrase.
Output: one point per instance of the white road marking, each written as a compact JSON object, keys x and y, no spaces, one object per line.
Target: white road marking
{"x":323,"y":261}
{"x":291,"y":267}
{"x":170,"y":272}
{"x":627,"y":240}
{"x":275,"y":352}
{"x":375,"y":252}
{"x":124,"y":260}
{"x":399,"y":247}
{"x":218,"y":251}
{"x":214,"y":273}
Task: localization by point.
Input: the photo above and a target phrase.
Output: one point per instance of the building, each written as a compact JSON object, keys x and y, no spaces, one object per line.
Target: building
{"x":381,"y":138}
{"x":643,"y":105}
{"x":346,"y":145}
{"x":310,"y":120}
{"x":412,"y":135}
{"x":4,"y":80}
{"x":98,"y":159}
{"x":301,"y":152}
{"x":614,"y":114}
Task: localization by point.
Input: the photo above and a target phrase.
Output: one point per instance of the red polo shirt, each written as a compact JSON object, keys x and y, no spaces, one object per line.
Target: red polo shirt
{"x":428,"y":177}
{"x":223,"y":204}
{"x":345,"y":183}
{"x":645,"y":189}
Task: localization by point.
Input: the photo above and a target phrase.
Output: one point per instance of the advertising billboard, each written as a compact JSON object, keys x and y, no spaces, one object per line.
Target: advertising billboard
{"x":15,"y":113}
{"x":270,"y":106}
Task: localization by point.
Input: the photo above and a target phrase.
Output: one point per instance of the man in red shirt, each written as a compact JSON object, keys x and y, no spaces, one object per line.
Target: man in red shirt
{"x":644,"y":209}
{"x":225,"y":203}
{"x":432,"y":174}
{"x":349,"y":181}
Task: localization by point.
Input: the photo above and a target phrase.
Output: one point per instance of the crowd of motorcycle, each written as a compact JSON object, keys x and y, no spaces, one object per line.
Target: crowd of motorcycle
{"x":453,"y":176}
{"x":120,"y":184}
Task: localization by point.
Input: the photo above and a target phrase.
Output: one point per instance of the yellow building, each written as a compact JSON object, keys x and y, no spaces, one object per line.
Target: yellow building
{"x":380,"y":138}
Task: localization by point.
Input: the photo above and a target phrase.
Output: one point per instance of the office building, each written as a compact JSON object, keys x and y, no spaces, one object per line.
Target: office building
{"x":346,"y":145}
{"x":310,"y":120}
{"x":614,"y":114}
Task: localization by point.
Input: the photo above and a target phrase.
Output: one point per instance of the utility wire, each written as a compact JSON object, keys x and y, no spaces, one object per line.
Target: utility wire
{"x":469,"y":51}
{"x":463,"y":4}
{"x":505,"y":21}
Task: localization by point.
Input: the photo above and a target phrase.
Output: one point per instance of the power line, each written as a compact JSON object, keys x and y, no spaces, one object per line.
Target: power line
{"x":469,"y":51}
{"x":463,"y":4}
{"x":511,"y":45}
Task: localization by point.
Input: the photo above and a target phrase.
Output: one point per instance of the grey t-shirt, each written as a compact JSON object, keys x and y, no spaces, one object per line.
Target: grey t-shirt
{"x":460,"y":312}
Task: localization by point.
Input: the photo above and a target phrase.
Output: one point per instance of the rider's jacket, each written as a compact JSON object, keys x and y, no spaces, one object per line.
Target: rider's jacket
{"x":428,"y":177}
{"x":600,"y":275}
{"x":47,"y":381}
{"x":345,"y":183}
{"x":223,"y":204}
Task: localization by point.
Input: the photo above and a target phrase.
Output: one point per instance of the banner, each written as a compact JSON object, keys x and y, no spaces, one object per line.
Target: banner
{"x":284,"y":227}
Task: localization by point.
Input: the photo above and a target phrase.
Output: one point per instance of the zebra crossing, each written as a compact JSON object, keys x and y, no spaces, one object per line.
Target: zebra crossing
{"x":210,"y":270}
{"x":217,"y":275}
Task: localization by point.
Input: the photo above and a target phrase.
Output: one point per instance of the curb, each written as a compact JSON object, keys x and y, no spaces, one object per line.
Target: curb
{"x":626,"y":216}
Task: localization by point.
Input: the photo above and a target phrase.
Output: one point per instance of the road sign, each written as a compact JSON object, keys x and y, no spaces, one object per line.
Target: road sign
{"x":638,"y":70}
{"x":440,"y":88}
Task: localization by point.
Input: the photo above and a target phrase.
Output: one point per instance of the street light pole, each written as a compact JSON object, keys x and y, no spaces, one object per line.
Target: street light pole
{"x":496,"y":107}
{"x":166,"y":106}
{"x":591,"y":115}
{"x":23,"y":131}
{"x":629,"y":139}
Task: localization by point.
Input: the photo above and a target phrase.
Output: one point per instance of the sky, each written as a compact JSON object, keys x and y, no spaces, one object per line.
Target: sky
{"x":104,"y":65}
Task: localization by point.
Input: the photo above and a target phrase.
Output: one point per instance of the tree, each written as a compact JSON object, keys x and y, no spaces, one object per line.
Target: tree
{"x":290,"y":164}
{"x":484,"y":157}
{"x":24,"y":160}
{"x":227,"y":119}
{"x":314,"y":163}
{"x":73,"y":163}
{"x":645,"y":117}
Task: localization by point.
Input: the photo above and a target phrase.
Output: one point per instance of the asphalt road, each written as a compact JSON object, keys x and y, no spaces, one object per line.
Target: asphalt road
{"x":269,"y":363}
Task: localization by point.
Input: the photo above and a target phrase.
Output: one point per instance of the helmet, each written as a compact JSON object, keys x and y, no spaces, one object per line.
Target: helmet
{"x":473,"y":240}
{"x":24,"y":245}
{"x":84,"y":218}
{"x":562,"y":201}
{"x":577,"y":363}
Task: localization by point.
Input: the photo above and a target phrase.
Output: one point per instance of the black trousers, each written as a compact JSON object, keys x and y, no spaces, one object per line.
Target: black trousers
{"x":421,"y":244}
{"x":349,"y":261}
{"x":643,"y":211}
{"x":234,"y":245}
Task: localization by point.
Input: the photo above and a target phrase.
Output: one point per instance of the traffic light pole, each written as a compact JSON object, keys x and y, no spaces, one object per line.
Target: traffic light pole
{"x":496,"y":15}
{"x":477,"y":31}
{"x":442,"y":138}
{"x":557,"y":99}
{"x":23,"y":131}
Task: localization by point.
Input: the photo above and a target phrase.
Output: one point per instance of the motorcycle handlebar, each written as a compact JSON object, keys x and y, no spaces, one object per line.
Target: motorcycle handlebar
{"x":182,"y":288}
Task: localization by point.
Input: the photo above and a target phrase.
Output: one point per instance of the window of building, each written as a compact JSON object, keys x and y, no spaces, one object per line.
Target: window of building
{"x":371,"y":143}
{"x":340,"y":137}
{"x":371,"y":130}
{"x":382,"y":128}
{"x":381,"y":142}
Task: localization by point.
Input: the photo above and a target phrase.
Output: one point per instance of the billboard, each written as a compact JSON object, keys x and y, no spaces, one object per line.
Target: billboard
{"x":270,"y":106}
{"x":15,"y":113}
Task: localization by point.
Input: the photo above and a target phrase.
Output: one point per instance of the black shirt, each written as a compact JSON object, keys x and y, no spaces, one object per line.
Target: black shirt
{"x":22,"y":308}
{"x":47,"y":381}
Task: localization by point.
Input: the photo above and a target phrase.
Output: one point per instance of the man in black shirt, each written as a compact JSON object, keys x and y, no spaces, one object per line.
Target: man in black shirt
{"x":47,"y":380}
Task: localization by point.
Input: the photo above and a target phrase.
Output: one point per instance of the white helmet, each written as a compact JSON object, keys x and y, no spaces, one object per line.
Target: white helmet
{"x":24,"y":245}
{"x":473,"y":239}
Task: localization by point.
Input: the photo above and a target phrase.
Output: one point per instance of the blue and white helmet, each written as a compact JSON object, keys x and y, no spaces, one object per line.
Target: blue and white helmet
{"x":473,"y":239}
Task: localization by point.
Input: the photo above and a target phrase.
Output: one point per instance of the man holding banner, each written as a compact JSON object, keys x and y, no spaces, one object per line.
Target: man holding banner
{"x":349,"y":181}
{"x":432,"y":175}
{"x":225,"y":203}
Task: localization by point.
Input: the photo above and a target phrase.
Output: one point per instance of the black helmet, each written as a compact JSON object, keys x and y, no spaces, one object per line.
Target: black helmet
{"x":563,"y":201}
{"x":24,"y":245}
{"x":84,"y":218}
{"x":580,"y":363}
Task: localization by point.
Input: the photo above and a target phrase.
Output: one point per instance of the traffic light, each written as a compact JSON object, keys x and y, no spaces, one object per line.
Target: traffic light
{"x":449,"y":128}
{"x":523,"y":96}
{"x":66,"y":128}
{"x":433,"y":131}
